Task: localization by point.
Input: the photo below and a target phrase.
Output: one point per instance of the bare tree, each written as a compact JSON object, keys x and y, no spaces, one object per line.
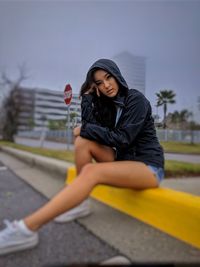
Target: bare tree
{"x":6,"y":81}
{"x":10,"y":105}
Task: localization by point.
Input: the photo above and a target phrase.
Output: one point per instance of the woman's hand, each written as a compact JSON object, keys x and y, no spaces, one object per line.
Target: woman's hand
{"x":77,"y":131}
{"x":92,"y":89}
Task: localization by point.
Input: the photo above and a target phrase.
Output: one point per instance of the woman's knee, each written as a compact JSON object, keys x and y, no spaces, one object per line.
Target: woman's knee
{"x":83,"y":144}
{"x":80,"y":142}
{"x":90,"y":173}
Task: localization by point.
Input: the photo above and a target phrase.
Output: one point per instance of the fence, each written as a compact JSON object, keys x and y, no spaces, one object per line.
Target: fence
{"x":164,"y":135}
{"x":51,"y":135}
{"x":184,"y":136}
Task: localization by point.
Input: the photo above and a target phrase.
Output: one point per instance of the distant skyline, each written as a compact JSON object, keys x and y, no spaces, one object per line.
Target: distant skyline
{"x":59,"y":40}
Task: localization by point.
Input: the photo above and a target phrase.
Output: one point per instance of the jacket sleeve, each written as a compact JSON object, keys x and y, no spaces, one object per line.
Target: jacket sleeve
{"x":131,"y":123}
{"x":87,"y":110}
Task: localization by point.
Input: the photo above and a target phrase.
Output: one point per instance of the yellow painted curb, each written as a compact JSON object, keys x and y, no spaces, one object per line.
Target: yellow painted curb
{"x":175,"y":213}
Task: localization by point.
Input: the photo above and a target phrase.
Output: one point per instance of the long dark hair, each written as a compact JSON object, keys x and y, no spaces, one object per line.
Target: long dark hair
{"x":87,"y":83}
{"x":104,"y":107}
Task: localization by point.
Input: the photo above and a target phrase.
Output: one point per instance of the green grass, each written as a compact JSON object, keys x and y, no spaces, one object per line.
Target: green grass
{"x":184,"y":148}
{"x":175,"y":168}
{"x":172,"y":168}
{"x":57,"y":154}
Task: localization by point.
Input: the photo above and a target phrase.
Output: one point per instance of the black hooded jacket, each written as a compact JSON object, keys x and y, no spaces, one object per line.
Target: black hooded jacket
{"x":134,"y":135}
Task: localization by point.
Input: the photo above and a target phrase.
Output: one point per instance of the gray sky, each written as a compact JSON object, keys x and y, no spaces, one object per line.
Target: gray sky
{"x":59,"y":40}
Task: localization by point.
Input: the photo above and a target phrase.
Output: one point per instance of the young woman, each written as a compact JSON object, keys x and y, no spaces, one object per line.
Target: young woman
{"x":118,"y":132}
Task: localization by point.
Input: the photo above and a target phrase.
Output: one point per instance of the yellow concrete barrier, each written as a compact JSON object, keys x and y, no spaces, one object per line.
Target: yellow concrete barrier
{"x":173,"y":212}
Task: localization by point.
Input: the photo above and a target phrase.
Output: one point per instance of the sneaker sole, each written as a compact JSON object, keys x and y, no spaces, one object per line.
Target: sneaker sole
{"x":15,"y":248}
{"x":73,"y":217}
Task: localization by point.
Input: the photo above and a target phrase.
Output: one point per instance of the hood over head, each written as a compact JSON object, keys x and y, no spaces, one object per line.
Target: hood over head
{"x":111,"y":67}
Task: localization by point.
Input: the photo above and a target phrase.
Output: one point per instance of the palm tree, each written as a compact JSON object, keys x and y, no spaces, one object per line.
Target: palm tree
{"x":164,"y":98}
{"x":180,"y":118}
{"x":185,"y":115}
{"x":175,"y":118}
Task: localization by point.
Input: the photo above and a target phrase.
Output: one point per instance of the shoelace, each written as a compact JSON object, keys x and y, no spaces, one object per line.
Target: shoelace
{"x":8,"y":230}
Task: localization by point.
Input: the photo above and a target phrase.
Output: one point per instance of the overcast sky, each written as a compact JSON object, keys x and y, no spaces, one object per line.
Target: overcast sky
{"x":59,"y":40}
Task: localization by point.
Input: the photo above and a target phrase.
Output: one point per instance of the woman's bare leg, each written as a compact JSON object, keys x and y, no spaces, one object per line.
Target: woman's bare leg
{"x":86,"y":150}
{"x":127,"y":174}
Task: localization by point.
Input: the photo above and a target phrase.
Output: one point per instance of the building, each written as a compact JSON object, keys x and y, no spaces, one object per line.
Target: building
{"x":50,"y":106}
{"x":39,"y":107}
{"x":133,"y":69}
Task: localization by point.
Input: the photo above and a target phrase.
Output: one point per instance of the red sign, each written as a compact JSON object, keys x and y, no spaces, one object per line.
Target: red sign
{"x":67,"y":94}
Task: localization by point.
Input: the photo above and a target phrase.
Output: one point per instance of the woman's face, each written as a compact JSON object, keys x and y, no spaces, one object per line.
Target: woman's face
{"x":106,"y":83}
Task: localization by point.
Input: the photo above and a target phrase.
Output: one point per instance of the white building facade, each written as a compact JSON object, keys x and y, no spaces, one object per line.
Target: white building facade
{"x":40,"y":106}
{"x":50,"y":106}
{"x":133,"y":69}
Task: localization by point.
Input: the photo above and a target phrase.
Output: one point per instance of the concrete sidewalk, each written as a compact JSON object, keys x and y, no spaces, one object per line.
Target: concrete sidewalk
{"x":183,"y":157}
{"x":138,"y":241}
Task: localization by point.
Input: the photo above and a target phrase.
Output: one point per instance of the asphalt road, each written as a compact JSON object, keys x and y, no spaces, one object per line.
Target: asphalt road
{"x":183,"y":157}
{"x":59,"y":243}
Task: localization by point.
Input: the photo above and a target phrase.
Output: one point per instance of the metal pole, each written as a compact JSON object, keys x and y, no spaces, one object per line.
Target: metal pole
{"x":68,"y":127}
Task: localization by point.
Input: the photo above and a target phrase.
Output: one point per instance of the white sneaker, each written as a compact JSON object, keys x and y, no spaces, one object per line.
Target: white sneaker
{"x":79,"y":211}
{"x":16,"y":236}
